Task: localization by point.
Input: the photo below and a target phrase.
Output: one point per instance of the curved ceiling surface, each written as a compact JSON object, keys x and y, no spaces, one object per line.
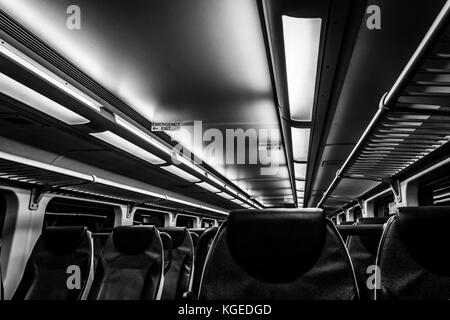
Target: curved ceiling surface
{"x":186,"y":60}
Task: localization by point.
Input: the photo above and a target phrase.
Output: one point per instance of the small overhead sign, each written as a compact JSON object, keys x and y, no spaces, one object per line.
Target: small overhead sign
{"x":166,"y":126}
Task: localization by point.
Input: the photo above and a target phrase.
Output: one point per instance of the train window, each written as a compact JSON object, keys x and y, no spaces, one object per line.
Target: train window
{"x":185,"y":221}
{"x":435,"y":191}
{"x":97,"y":217}
{"x":207,"y":223}
{"x":381,"y":205}
{"x":147,"y":217}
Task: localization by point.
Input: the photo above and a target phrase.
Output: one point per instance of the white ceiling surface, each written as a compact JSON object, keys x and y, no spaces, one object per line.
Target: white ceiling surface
{"x":182,"y":60}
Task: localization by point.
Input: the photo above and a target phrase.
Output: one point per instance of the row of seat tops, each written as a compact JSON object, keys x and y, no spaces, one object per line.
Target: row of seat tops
{"x":257,"y":254}
{"x":282,"y":254}
{"x":131,"y":265}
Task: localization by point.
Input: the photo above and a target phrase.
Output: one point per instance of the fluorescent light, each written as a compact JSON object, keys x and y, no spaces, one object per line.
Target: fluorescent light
{"x":300,"y":194}
{"x":214,"y":210}
{"x":116,"y":141}
{"x":181,"y":173}
{"x":241,"y":196}
{"x":300,"y":170}
{"x":300,"y":143}
{"x":46,"y":74}
{"x":215,"y":180}
{"x":301,"y":45}
{"x":300,"y":185}
{"x":208,"y":187}
{"x":31,"y":98}
{"x":189,"y":163}
{"x":238,"y":202}
{"x":225,"y":195}
{"x":232,"y":191}
{"x":255,"y":204}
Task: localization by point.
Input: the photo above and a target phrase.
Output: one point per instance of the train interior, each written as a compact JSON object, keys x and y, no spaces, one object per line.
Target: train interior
{"x":224,"y":149}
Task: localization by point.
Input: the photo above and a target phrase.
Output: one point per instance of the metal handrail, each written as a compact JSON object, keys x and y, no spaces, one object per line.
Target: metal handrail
{"x":389,"y":99}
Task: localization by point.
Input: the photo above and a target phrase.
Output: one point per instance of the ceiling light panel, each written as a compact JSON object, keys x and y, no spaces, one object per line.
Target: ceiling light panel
{"x":45,"y":74}
{"x":300,"y":185}
{"x":33,"y":99}
{"x":300,"y":143}
{"x":118,"y":142}
{"x":181,"y":173}
{"x":225,"y":195}
{"x":301,"y":45}
{"x":300,"y":171}
{"x":208,"y":187}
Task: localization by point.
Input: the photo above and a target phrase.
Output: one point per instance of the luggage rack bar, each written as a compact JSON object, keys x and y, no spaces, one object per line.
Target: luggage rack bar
{"x":413,"y":118}
{"x":45,"y":177}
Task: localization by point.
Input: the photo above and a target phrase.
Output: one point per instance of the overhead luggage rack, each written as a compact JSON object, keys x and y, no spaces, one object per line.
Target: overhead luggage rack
{"x":43,"y":177}
{"x":413,"y":119}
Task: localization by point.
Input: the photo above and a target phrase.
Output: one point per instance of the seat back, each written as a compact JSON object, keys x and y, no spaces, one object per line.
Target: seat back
{"x":198,"y":231}
{"x":413,"y":255}
{"x":178,"y":279}
{"x":1,"y":276}
{"x":195,"y":238}
{"x":203,"y":245}
{"x":362,"y":244}
{"x":130,"y":265}
{"x":341,"y":227}
{"x":166,"y":240}
{"x":60,"y":266}
{"x":278,"y":254}
{"x":99,"y":240}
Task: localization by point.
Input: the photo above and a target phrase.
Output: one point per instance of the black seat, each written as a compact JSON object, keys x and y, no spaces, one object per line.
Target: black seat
{"x":166,"y":240}
{"x":346,"y":223}
{"x":99,"y":240}
{"x":278,"y":254}
{"x":2,"y":293}
{"x":178,"y":279}
{"x":203,"y":245}
{"x":61,"y":256}
{"x":195,"y":238}
{"x":413,"y":255}
{"x":130,"y":265}
{"x":362,"y":245}
{"x":343,"y":234}
{"x":198,"y":231}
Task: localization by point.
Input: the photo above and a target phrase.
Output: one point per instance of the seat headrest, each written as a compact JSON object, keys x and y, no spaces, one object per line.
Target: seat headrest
{"x":424,"y":232}
{"x":346,"y":223}
{"x":276,"y":245}
{"x":209,"y":233}
{"x":378,"y":220}
{"x":178,"y":235}
{"x":63,"y":240}
{"x":197,"y":231}
{"x":133,"y":240}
